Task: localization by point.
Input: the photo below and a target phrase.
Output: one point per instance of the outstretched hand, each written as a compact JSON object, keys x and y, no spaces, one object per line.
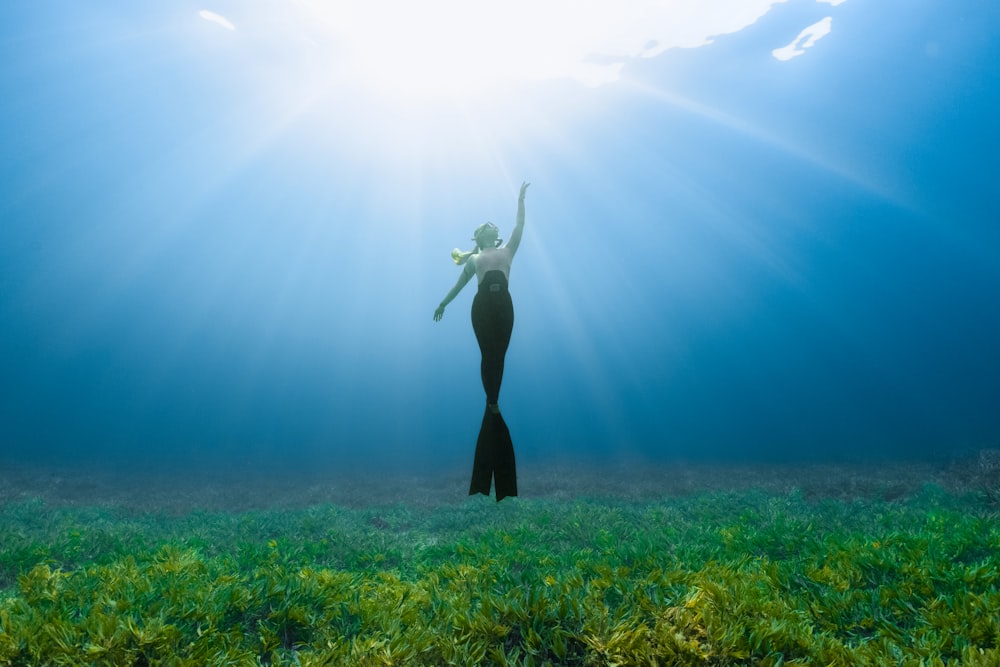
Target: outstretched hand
{"x":524,"y":187}
{"x":439,"y":313}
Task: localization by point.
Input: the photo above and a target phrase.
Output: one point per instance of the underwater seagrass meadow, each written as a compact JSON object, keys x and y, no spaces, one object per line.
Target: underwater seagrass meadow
{"x":673,"y":565}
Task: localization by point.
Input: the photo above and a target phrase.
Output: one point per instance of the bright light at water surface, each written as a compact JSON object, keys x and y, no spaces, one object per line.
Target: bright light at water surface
{"x":410,"y":64}
{"x":387,"y":81}
{"x":457,"y":47}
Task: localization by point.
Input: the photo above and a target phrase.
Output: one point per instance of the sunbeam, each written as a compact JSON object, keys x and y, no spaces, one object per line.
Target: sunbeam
{"x":796,"y":147}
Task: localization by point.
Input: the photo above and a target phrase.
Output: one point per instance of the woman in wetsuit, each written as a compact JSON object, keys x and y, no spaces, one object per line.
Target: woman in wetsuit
{"x":493,"y":321}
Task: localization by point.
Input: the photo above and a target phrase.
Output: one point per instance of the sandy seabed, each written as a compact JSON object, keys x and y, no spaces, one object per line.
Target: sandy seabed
{"x":180,"y":490}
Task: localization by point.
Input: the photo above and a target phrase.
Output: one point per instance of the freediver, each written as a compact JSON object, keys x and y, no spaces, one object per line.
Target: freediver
{"x":492,"y":321}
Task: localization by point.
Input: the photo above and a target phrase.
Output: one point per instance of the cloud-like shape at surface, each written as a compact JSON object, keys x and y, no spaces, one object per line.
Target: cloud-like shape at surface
{"x":833,"y":2}
{"x":806,"y":39}
{"x":216,"y":18}
{"x":587,"y":40}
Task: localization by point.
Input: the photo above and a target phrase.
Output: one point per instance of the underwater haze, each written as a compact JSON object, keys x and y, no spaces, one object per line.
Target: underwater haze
{"x":756,"y":231}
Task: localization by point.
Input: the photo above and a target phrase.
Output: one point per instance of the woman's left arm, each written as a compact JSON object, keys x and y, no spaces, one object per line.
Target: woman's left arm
{"x":468,"y":271}
{"x":515,"y":236}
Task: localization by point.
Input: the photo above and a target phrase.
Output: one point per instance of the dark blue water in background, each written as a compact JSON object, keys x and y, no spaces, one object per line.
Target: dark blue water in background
{"x":727,"y":257}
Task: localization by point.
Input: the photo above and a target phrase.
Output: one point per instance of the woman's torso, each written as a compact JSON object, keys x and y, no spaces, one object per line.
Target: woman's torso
{"x":492,"y":259}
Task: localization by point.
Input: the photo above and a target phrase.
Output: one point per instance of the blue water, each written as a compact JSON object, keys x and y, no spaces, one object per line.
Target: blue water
{"x":213,"y":250}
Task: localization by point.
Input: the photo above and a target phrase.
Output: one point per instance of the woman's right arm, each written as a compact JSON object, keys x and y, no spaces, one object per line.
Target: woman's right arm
{"x":467,"y":272}
{"x":515,"y":237}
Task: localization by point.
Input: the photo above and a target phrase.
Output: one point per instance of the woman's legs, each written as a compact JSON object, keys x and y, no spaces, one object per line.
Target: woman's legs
{"x":493,"y":322}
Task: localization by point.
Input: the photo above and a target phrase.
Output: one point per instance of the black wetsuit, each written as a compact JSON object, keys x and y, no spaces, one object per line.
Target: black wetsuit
{"x":493,"y":321}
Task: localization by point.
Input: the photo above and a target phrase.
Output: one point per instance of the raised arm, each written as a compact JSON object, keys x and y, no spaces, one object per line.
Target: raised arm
{"x":468,"y":271}
{"x":515,"y":236}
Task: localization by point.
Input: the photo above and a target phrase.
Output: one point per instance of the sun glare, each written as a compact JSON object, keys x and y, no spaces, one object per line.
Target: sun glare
{"x":457,"y":47}
{"x":453,"y":47}
{"x":437,"y":49}
{"x":451,"y":54}
{"x":447,"y":75}
{"x":428,"y":49}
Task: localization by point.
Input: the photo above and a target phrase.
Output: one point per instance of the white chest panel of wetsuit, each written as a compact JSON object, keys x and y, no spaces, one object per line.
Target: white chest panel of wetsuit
{"x":493,"y":259}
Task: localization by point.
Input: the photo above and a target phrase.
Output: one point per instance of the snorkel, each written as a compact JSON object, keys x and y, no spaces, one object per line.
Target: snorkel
{"x":460,"y":257}
{"x":483,"y":229}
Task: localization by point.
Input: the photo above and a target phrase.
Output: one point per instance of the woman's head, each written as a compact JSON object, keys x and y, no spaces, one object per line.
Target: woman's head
{"x":487,"y":235}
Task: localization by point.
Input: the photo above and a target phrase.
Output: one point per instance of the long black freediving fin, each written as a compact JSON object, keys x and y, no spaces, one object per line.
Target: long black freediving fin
{"x":482,"y":464}
{"x":494,"y":458}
